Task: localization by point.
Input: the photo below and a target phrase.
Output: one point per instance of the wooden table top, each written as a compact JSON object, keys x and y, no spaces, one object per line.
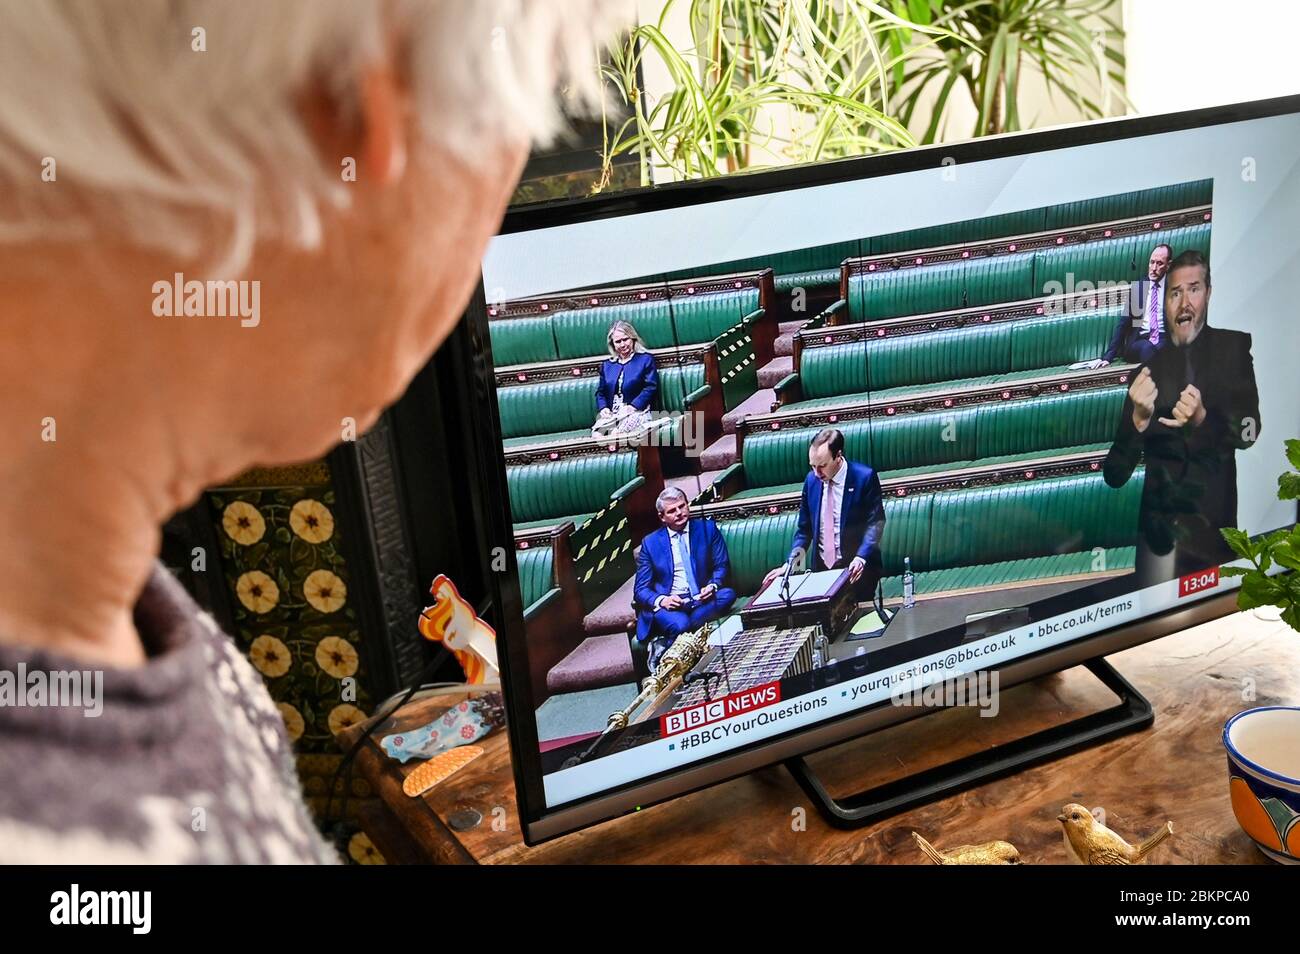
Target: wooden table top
{"x":1176,"y":770}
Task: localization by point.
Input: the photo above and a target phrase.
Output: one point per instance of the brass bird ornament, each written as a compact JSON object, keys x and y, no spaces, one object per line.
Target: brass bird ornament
{"x":1089,"y":842}
{"x":989,"y":853}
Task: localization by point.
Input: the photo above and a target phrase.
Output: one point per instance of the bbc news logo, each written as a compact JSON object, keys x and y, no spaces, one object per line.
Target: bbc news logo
{"x":724,"y":707}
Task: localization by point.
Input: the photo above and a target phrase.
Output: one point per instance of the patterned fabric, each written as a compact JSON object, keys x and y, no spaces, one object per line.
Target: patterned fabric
{"x":187,"y":762}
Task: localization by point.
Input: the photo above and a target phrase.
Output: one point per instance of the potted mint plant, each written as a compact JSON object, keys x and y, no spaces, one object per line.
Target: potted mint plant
{"x":1281,"y":547}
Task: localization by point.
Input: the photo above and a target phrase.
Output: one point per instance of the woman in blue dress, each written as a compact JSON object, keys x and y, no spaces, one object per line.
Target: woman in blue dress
{"x":627,"y":386}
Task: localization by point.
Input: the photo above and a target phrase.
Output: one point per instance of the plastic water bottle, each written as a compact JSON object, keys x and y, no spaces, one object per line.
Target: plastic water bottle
{"x":909,"y":592}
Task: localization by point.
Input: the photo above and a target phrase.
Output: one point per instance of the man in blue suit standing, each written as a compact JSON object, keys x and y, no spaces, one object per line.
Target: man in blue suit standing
{"x":681,"y":576}
{"x":848,"y":532}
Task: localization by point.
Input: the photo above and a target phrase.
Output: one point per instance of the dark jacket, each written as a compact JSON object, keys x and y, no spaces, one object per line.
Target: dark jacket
{"x":1190,"y":488}
{"x":1127,"y":342}
{"x":862,"y":517}
{"x":654,"y":566}
{"x":640,"y":381}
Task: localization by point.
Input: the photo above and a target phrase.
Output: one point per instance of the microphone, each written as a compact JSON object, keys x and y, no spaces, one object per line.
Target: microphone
{"x":785,"y":580}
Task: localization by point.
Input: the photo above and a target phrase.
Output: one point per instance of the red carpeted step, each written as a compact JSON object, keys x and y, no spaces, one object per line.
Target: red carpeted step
{"x":721,"y":454}
{"x":784,"y":344}
{"x":693,"y":484}
{"x":770,"y":374}
{"x":598,"y":663}
{"x":612,"y":615}
{"x":760,"y":402}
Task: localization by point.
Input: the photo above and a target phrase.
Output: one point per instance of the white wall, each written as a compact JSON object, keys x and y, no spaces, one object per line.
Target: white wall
{"x":1185,"y":54}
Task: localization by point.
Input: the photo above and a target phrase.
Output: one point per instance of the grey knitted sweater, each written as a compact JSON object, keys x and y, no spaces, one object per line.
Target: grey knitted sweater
{"x":186,"y":762}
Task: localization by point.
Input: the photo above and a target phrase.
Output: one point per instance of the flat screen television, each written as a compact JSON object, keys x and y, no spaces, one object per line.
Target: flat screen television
{"x":1033,"y":375}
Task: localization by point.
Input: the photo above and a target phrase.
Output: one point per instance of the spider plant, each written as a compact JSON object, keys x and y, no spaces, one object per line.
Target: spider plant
{"x":846,"y":76}
{"x":826,"y":63}
{"x":987,"y":45}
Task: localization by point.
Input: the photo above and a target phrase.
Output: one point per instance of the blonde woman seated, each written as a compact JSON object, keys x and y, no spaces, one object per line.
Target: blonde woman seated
{"x":628,"y":382}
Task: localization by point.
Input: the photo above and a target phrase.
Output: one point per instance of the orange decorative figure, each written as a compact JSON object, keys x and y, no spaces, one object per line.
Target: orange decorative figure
{"x":451,"y":620}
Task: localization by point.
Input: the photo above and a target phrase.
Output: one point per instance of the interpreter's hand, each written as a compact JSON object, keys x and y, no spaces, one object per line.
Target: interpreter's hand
{"x":605,"y":414}
{"x":1189,"y":409}
{"x":671,"y":603}
{"x":707,"y":592}
{"x":773,"y":574}
{"x":856,"y":566}
{"x":1143,"y":393}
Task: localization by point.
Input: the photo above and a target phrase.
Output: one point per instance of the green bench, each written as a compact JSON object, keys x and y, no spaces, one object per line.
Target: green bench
{"x":796,"y":268}
{"x":1110,"y":208}
{"x":884,"y":368}
{"x":570,"y":490}
{"x":971,"y":539}
{"x":580,"y":333}
{"x":820,"y":265}
{"x":917,"y":443}
{"x":548,"y":589}
{"x":608,"y":499}
{"x":1010,"y":276}
{"x":545,"y":412}
{"x":667,"y":315}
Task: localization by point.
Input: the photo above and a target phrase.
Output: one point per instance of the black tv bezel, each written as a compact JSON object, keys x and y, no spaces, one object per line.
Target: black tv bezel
{"x":538,"y":823}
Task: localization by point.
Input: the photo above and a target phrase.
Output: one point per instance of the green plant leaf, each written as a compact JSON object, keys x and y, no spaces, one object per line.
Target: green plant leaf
{"x":1288,"y":487}
{"x":1284,"y":555}
{"x":1257,"y":590}
{"x":1293,"y":452}
{"x":1239,"y":540}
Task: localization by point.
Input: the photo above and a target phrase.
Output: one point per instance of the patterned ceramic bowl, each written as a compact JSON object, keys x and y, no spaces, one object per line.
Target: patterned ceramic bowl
{"x":1264,"y":777}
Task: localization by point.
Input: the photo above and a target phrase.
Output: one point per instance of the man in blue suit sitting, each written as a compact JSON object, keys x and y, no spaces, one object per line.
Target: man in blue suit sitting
{"x":681,"y":576}
{"x":848,"y":532}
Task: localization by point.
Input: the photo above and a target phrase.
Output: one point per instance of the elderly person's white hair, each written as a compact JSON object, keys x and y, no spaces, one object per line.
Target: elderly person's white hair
{"x":180,"y":148}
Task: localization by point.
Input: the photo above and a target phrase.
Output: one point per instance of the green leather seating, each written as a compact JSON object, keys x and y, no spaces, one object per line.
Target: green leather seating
{"x":800,"y":267}
{"x":946,"y":286}
{"x":522,"y":341}
{"x":684,"y":319}
{"x":1130,"y":205}
{"x":820,"y":265}
{"x":550,"y":411}
{"x":1108,"y":208}
{"x":546,"y":408}
{"x":536,"y":574}
{"x":1028,"y":519}
{"x":551,"y":492}
{"x":971,"y":538}
{"x":681,"y":320}
{"x":958,"y":233}
{"x":1115,"y":259}
{"x":954,"y":358}
{"x":962,"y":436}
{"x":972,"y":283}
{"x":755,"y":545}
